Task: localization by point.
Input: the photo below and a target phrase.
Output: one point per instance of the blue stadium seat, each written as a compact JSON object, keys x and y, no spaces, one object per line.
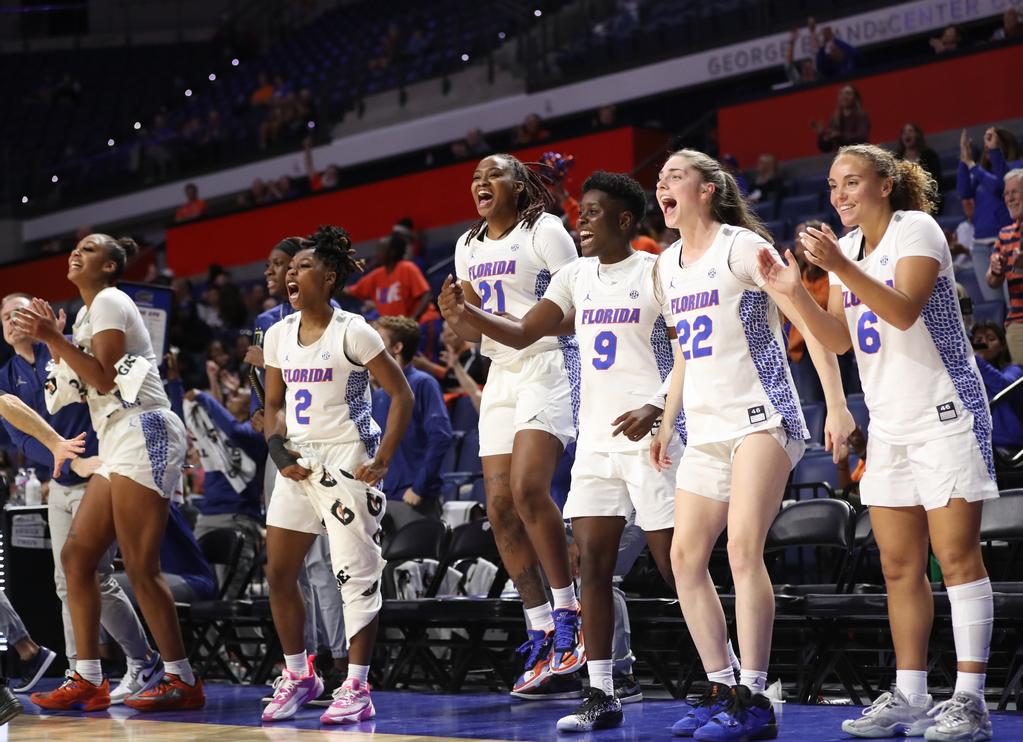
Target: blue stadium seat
{"x":951,"y":205}
{"x":858,"y":408}
{"x":796,"y":208}
{"x":814,"y":413}
{"x":463,"y":415}
{"x":816,"y":466}
{"x":970,"y":282}
{"x":989,"y":311}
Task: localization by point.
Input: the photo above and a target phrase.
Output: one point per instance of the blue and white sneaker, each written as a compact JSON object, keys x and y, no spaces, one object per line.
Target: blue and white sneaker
{"x":569,"y":652}
{"x":537,"y":650}
{"x":141,"y":676}
{"x":34,"y":669}
{"x":745,"y":717}
{"x":695,"y":715}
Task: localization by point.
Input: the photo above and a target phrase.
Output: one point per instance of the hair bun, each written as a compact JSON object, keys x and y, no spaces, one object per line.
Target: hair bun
{"x":332,"y":237}
{"x":129,"y":246}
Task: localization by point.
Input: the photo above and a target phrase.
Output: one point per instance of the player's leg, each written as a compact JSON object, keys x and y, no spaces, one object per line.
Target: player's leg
{"x":91,"y":534}
{"x":597,"y":538}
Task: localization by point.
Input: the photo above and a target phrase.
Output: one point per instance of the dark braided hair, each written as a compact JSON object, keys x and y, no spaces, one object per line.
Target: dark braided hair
{"x":289,"y":246}
{"x":332,"y":246}
{"x":119,"y":251}
{"x":534,"y":198}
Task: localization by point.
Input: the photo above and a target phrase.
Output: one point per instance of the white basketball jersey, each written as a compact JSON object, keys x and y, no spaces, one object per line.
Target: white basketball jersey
{"x":921,"y":383}
{"x":624,"y":348}
{"x":737,"y":378}
{"x":327,"y":396}
{"x":511,"y":274}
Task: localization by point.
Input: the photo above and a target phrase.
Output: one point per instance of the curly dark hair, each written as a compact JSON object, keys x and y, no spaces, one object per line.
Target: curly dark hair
{"x":621,"y":187}
{"x":332,"y":246}
{"x":534,"y":198}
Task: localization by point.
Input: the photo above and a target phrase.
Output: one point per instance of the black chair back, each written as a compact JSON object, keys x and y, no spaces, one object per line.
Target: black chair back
{"x":1002,"y":520}
{"x":418,"y":539}
{"x":222,"y":548}
{"x":826,"y":525}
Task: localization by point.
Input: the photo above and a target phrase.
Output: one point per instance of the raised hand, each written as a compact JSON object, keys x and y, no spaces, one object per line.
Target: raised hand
{"x":65,"y":449}
{"x":37,"y":324}
{"x":822,"y":248}
{"x":783,"y":277}
{"x":451,"y":300}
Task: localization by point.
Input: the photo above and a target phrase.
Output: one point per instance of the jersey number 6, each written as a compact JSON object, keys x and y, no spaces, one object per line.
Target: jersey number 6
{"x":867,"y":334}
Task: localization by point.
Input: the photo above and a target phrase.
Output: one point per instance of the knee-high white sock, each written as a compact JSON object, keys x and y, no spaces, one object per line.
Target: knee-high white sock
{"x":973,"y":613}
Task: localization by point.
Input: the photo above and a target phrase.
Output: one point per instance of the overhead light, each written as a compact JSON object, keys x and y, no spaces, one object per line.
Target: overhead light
{"x":501,"y":35}
{"x":54,"y":179}
{"x":188,"y":93}
{"x":24,"y":199}
{"x":110,"y":142}
{"x":213,"y":76}
{"x":465,"y":57}
{"x":311,"y":124}
{"x":538,"y":12}
{"x":137,"y":125}
{"x":234,"y":62}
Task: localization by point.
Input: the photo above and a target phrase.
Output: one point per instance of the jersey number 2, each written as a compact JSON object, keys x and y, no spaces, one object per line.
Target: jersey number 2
{"x":303,"y":398}
{"x":488,"y":290}
{"x":699,"y":332}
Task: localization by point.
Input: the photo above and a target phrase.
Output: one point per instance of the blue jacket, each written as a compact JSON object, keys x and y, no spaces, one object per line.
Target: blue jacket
{"x":417,"y":461}
{"x":25,"y":380}
{"x":219,"y":495}
{"x":180,"y":555}
{"x":986,"y":188}
{"x":827,"y":67}
{"x":1007,"y":425}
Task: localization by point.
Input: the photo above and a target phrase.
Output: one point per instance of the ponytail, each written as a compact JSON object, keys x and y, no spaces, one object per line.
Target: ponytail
{"x":534,"y":198}
{"x":913,"y":188}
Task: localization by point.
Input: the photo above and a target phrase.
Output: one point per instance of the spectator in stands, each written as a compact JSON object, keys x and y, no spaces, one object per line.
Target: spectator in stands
{"x":1012,"y":26}
{"x":998,"y":371}
{"x":388,"y":49}
{"x":645,"y":241}
{"x":417,"y":45}
{"x":605,"y":118}
{"x":232,"y":455}
{"x":263,"y":93}
{"x":462,"y":368}
{"x":414,"y":474}
{"x":211,"y":141}
{"x":801,"y":72}
{"x":406,"y":229}
{"x":283,"y":188}
{"x":731,"y":164}
{"x":949,"y":41}
{"x":816,"y":282}
{"x":257,"y":194}
{"x":531,"y":131}
{"x":157,"y":157}
{"x":912,"y":146}
{"x":768,"y":185}
{"x":1006,"y":263}
{"x":329,"y":178}
{"x":849,"y":124}
{"x":984,"y":182}
{"x":832,"y":56}
{"x":397,"y":287}
{"x":473,"y":145}
{"x":193,"y":208}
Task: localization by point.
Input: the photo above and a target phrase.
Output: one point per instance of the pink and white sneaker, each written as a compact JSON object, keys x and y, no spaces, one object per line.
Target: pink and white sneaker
{"x":352,"y":704}
{"x":291,"y":692}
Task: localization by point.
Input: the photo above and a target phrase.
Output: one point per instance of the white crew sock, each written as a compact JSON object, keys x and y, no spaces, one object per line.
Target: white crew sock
{"x":358,"y":672}
{"x":731,"y":656}
{"x":90,"y":670}
{"x":913,"y":685}
{"x":755,"y":680}
{"x":539,"y":618}
{"x":297,"y":664}
{"x":971,"y":681}
{"x":724,"y":677}
{"x":181,"y":668}
{"x":564,"y":597}
{"x":600,"y":675}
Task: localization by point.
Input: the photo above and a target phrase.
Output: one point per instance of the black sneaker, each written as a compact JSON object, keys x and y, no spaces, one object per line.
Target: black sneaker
{"x":9,"y":705}
{"x":332,"y":680}
{"x":553,"y":688}
{"x":627,"y":689}
{"x":598,"y":711}
{"x":35,"y":668}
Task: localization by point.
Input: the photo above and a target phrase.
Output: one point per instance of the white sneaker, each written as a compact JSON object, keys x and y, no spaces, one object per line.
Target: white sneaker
{"x":962,"y":718}
{"x":140,"y":677}
{"x":890,"y":715}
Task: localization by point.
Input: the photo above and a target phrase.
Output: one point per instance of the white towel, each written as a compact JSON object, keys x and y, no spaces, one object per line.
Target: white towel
{"x":63,"y":387}
{"x":216,"y":451}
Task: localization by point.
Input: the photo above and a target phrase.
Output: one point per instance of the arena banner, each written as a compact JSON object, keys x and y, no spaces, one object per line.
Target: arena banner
{"x":780,"y":124}
{"x":431,"y":198}
{"x":155,"y":304}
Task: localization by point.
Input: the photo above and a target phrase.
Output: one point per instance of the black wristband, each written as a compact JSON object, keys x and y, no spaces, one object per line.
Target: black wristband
{"x":281,"y":458}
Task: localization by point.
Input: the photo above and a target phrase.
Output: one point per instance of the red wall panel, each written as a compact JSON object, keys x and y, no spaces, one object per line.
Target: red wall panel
{"x":950,"y":94}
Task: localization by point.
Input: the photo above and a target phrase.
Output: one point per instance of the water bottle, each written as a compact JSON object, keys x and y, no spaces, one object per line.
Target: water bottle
{"x":19,"y":487}
{"x":33,"y":489}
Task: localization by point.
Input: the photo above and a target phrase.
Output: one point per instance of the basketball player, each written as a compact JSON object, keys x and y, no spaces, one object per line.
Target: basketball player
{"x":142,"y":449}
{"x":504,"y":263}
{"x":625,"y":356}
{"x":318,"y":362}
{"x":745,"y":431}
{"x":893,"y":299}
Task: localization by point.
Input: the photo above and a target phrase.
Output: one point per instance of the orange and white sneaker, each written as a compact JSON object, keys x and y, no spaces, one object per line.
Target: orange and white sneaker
{"x":75,"y":694}
{"x":569,"y":651}
{"x":537,"y":649}
{"x":170,"y":694}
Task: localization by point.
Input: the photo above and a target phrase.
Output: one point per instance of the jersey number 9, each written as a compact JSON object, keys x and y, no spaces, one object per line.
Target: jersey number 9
{"x":605,"y":345}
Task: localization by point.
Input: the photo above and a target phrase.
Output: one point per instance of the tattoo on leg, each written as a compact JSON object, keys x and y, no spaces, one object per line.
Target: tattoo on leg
{"x":529,"y":583}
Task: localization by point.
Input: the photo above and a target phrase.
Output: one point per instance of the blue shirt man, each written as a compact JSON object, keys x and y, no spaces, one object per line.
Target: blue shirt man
{"x":414,"y":473}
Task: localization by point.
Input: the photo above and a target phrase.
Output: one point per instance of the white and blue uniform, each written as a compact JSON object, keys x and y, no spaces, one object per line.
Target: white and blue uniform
{"x":536,"y":388}
{"x":141,"y":440}
{"x":929,"y":436}
{"x":737,"y":378}
{"x":330,"y":424}
{"x":625,"y":356}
